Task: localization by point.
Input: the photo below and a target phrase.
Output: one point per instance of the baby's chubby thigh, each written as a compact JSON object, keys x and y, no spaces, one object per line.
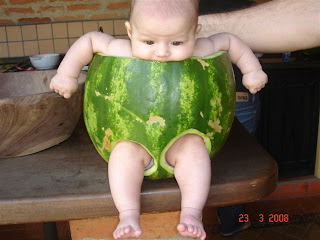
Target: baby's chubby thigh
{"x":130,"y":153}
{"x":190,"y":147}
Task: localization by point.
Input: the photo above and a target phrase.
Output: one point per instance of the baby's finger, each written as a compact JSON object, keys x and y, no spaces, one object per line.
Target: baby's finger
{"x":253,"y":91}
{"x":60,"y":92}
{"x":67,"y":95}
{"x":53,"y":86}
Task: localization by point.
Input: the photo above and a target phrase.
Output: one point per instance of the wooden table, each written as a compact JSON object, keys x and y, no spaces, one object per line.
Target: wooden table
{"x":69,"y":181}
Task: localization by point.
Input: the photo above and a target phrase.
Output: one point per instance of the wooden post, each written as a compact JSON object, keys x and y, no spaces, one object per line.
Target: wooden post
{"x":317,"y":166}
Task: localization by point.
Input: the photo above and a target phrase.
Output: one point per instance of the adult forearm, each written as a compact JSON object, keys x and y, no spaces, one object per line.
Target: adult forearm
{"x":273,"y":27}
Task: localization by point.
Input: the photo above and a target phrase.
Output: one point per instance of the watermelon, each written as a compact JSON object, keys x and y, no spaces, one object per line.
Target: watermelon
{"x":154,"y":103}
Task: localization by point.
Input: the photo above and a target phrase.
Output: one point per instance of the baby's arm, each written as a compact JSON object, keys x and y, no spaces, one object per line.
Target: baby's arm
{"x":79,"y":55}
{"x":254,"y":79}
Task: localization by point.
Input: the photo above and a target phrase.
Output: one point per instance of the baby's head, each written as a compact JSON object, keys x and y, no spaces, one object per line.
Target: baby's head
{"x":163,"y":30}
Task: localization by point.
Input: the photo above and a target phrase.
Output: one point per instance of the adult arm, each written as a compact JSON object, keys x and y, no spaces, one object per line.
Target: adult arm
{"x":272,"y":27}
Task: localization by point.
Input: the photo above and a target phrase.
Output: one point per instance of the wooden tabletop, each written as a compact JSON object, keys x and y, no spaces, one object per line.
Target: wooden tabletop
{"x":69,"y":181}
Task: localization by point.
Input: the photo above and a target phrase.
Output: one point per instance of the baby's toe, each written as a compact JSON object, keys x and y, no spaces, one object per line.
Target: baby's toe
{"x":127,"y":229}
{"x":121,"y":232}
{"x":182,"y":227}
{"x":203,"y":235}
{"x":195,"y":231}
{"x":116,"y":234}
{"x":137,"y":233}
{"x":190,"y":228}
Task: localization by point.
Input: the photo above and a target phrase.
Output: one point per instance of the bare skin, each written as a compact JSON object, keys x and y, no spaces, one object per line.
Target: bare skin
{"x":272,"y":27}
{"x":192,"y":169}
{"x":127,"y":196}
{"x":169,"y":38}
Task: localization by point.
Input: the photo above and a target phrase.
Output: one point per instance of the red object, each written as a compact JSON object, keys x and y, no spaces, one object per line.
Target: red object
{"x":25,"y":69}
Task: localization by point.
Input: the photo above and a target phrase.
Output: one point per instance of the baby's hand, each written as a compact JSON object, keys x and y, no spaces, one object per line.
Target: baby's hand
{"x":64,"y":85}
{"x":255,"y":81}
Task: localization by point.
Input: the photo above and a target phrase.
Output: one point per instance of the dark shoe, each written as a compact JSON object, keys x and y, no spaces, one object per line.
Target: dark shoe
{"x":240,"y":229}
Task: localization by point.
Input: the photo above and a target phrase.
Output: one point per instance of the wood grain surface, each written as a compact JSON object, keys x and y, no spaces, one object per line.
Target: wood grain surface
{"x":69,"y":181}
{"x":33,"y":117}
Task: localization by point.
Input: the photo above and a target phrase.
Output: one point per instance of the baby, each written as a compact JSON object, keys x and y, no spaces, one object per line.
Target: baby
{"x":160,"y":30}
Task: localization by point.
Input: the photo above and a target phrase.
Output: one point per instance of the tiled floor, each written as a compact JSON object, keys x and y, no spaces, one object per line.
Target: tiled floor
{"x":301,"y":231}
{"x":303,"y":220}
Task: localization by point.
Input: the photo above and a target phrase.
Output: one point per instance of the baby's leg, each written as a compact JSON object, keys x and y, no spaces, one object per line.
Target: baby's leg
{"x":192,"y":169}
{"x":126,"y":169}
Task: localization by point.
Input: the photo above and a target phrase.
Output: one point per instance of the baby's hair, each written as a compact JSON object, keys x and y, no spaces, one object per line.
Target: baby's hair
{"x":167,"y":8}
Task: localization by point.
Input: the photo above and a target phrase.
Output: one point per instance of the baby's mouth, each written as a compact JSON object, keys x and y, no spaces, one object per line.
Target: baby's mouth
{"x":161,"y":60}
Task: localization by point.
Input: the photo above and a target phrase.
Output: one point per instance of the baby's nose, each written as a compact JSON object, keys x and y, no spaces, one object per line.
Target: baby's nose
{"x":162,"y":51}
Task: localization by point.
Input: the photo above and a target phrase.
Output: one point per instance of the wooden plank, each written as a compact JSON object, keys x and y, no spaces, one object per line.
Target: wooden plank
{"x":317,"y":166}
{"x":69,"y":181}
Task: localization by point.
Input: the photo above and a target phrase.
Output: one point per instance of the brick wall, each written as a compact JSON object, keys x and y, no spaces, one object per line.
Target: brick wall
{"x":38,"y":11}
{"x":30,"y":27}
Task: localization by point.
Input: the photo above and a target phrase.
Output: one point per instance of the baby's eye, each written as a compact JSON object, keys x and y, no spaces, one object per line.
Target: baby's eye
{"x":149,"y":42}
{"x":176,"y":43}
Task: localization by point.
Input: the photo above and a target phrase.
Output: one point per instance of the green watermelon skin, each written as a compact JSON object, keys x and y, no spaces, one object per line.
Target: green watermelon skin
{"x":154,"y":103}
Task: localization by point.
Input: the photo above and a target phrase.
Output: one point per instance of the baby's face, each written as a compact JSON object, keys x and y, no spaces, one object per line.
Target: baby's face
{"x":171,"y":39}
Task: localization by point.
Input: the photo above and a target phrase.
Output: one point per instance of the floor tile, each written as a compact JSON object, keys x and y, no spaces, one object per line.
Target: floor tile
{"x":305,"y":225}
{"x":219,"y":237}
{"x":280,"y":229}
{"x":301,"y":189}
{"x":268,"y":234}
{"x":249,"y":234}
{"x":314,"y":187}
{"x":285,"y":191}
{"x":312,"y":236}
{"x":314,"y":227}
{"x":316,"y":200}
{"x":295,"y":231}
{"x":308,"y":204}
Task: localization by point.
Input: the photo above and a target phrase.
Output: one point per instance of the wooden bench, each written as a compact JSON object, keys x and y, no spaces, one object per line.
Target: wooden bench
{"x":68,"y":182}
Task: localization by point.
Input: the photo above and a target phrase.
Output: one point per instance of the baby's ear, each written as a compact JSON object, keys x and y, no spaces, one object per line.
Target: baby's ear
{"x":128,"y":27}
{"x":199,"y":27}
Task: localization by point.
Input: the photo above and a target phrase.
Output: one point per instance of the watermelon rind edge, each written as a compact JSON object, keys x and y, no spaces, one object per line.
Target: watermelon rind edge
{"x":163,"y":161}
{"x":217,"y":54}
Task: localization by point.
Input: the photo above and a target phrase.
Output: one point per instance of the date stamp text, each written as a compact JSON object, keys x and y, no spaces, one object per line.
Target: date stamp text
{"x":270,"y":218}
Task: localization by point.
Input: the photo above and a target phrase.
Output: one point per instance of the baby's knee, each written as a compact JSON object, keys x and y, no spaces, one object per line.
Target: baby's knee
{"x":191,"y":140}
{"x":132,"y":150}
{"x":186,"y":146}
{"x":189,"y":143}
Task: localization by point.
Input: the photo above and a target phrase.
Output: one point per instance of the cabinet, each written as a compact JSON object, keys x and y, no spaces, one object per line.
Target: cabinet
{"x":288,"y":126}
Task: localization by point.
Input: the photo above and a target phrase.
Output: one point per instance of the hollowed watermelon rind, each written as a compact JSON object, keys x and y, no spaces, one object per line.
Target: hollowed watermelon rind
{"x":153,"y":103}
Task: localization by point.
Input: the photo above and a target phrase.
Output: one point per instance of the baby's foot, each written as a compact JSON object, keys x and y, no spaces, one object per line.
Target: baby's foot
{"x":129,"y":225}
{"x":191,"y":224}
